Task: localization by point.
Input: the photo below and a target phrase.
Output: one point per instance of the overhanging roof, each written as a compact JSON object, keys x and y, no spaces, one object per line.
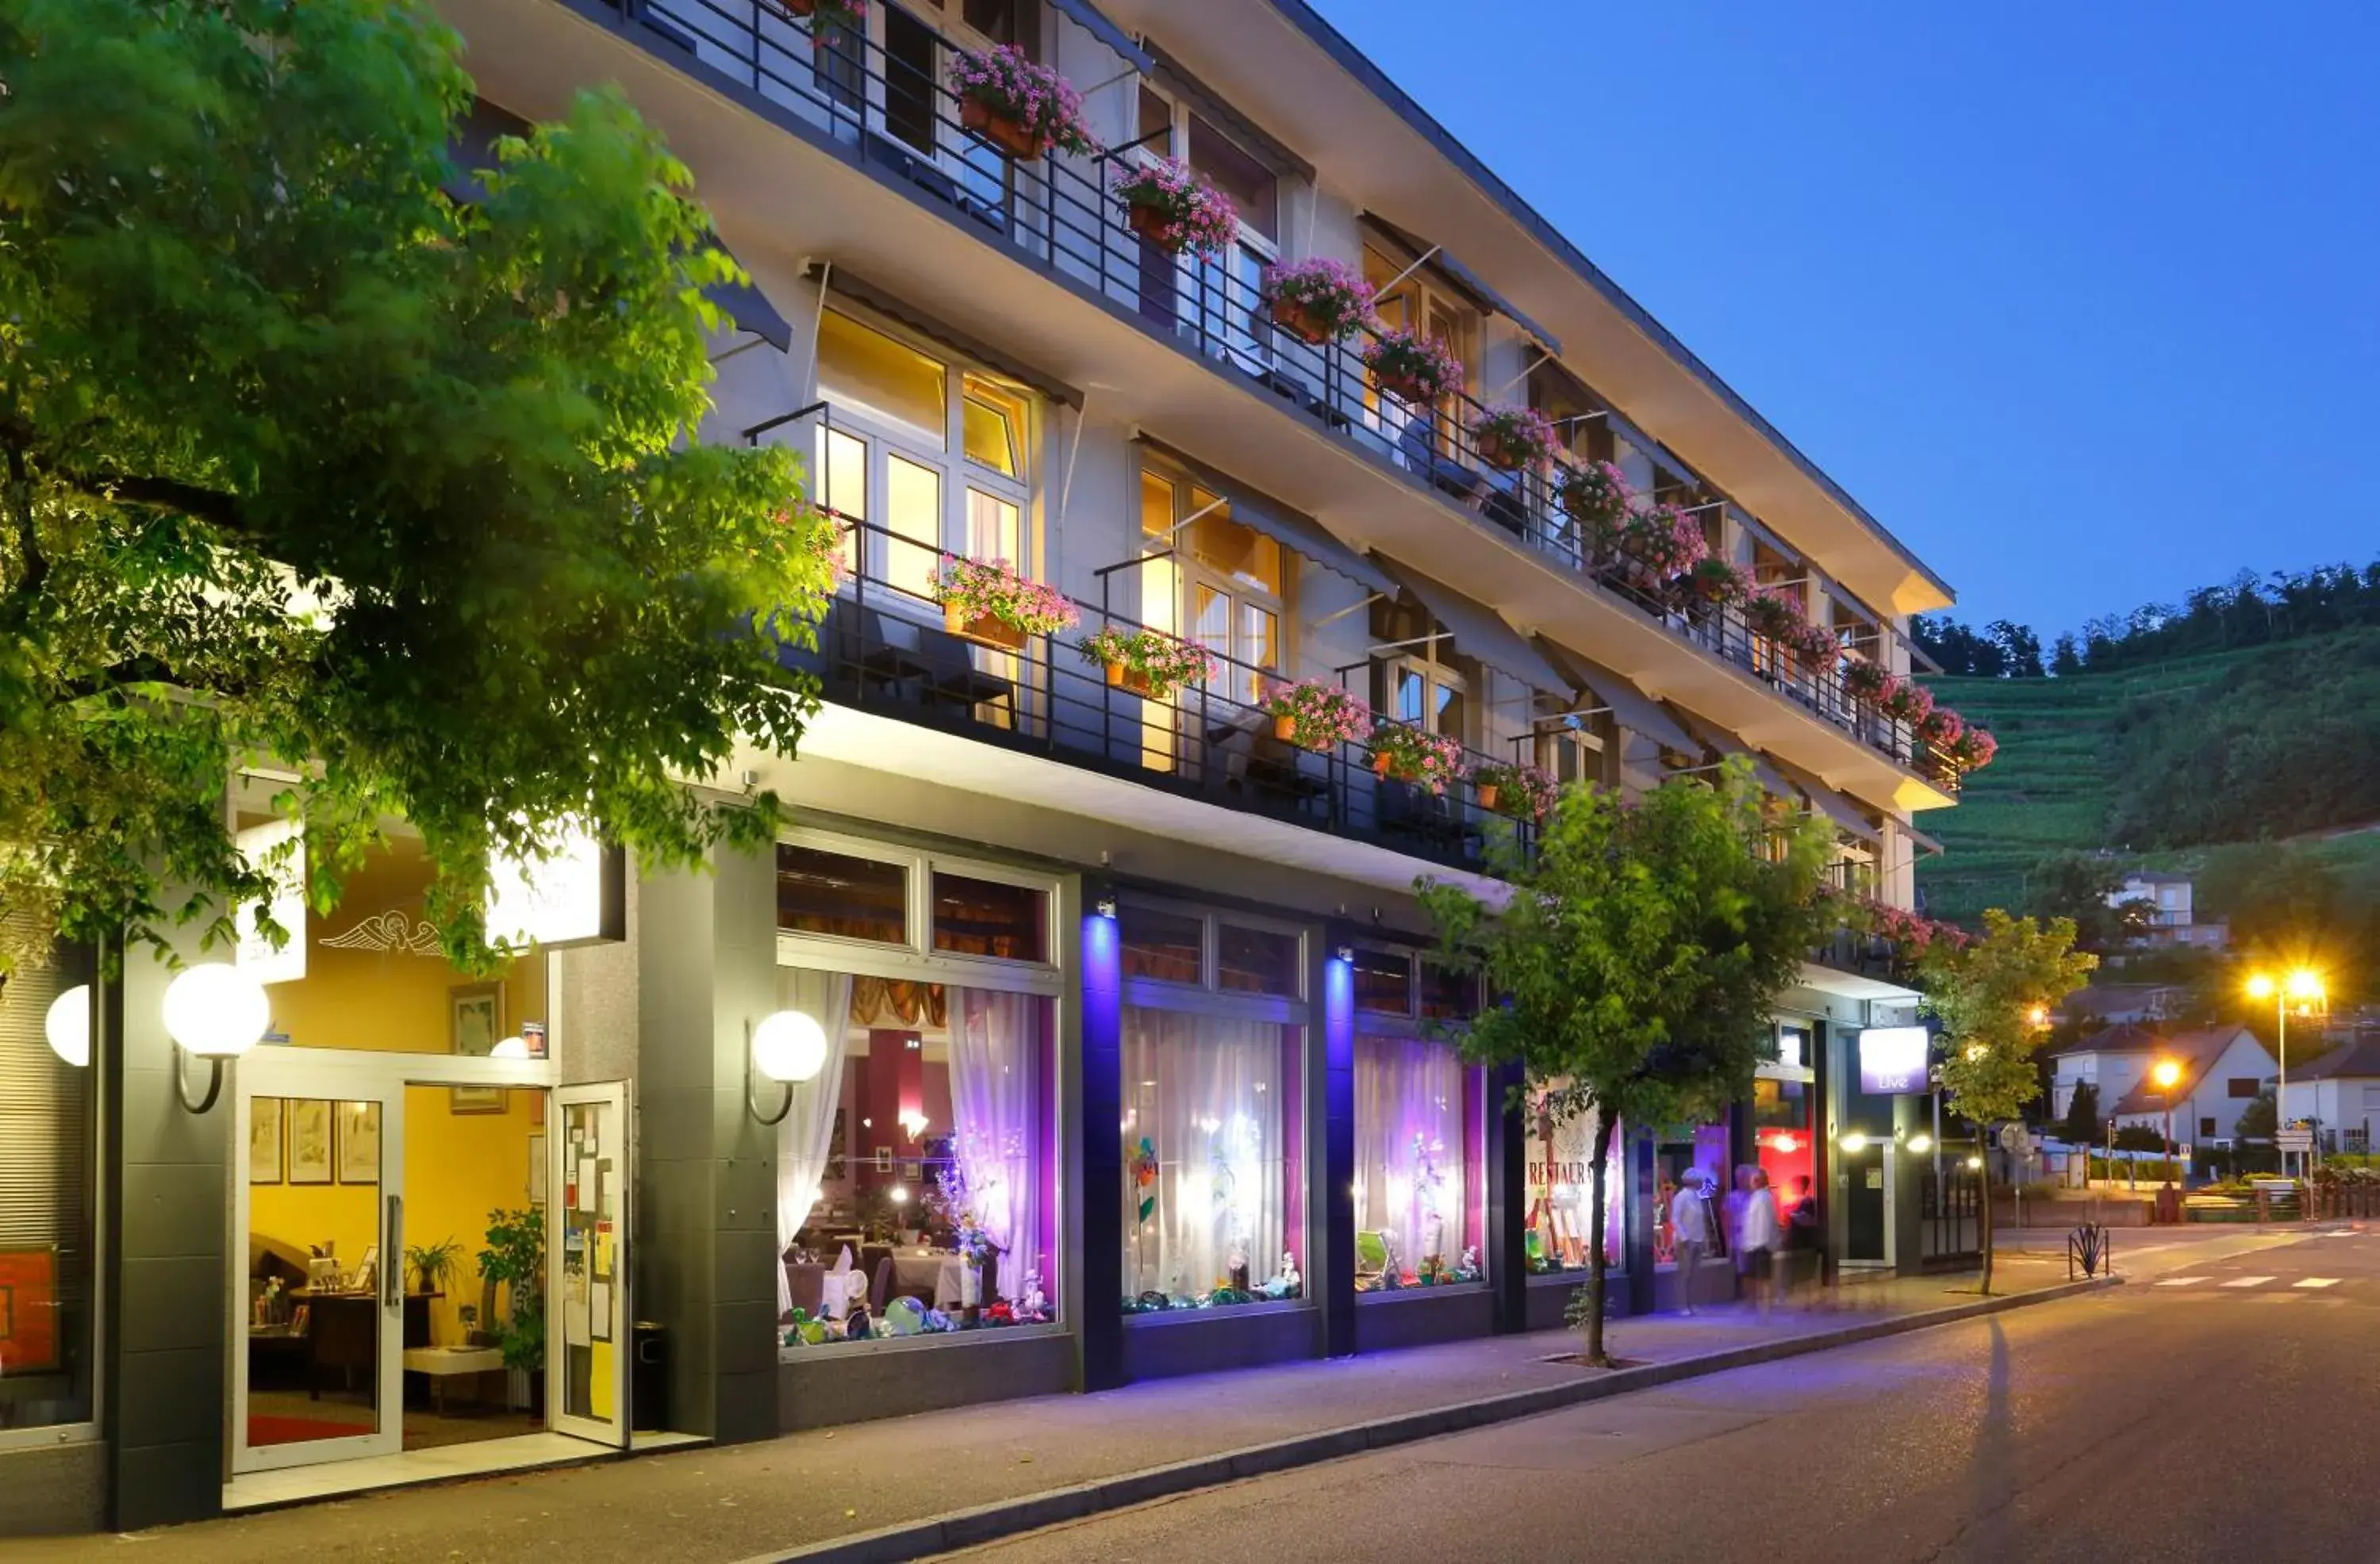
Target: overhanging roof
{"x":1847,"y":815}
{"x":1725,"y":742}
{"x":1481,"y":631}
{"x":1631,"y":707}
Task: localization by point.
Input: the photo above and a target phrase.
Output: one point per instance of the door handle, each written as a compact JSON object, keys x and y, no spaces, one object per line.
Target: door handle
{"x":392,"y":1265}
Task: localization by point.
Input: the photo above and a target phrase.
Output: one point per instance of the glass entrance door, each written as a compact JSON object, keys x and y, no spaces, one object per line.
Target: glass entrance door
{"x":319,"y":1306}
{"x":587,"y":1248}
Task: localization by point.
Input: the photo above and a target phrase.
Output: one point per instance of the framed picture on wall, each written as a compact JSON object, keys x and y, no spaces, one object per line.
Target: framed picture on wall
{"x":264,"y":1141}
{"x":478,"y":1022}
{"x":358,"y":1141}
{"x":309,"y":1140}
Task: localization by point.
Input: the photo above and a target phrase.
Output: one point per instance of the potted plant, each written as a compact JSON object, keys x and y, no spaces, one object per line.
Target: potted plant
{"x":1906,"y":701}
{"x":1525,"y":792}
{"x":1774,"y":613}
{"x":432,"y":1264}
{"x":1864,"y":680}
{"x":1319,"y":717}
{"x":987,"y":601}
{"x":1973,"y":748}
{"x":1596,"y":498}
{"x":1511,"y":438}
{"x":514,"y":1259}
{"x":1815,"y":648}
{"x":1941,"y":728}
{"x":1148,"y":662}
{"x":1663,"y":543}
{"x":1023,"y":108}
{"x":1714,"y":582}
{"x":850,"y":16}
{"x":1316,"y":300}
{"x":1409,"y":754}
{"x":1417,"y":370}
{"x":1177,"y":209}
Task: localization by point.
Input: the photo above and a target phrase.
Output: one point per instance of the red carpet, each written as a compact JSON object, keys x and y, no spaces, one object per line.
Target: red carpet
{"x":264,"y":1429}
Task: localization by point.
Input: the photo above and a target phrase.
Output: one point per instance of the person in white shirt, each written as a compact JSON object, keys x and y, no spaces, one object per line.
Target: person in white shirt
{"x":1762,"y":1234}
{"x":1690,"y":1229}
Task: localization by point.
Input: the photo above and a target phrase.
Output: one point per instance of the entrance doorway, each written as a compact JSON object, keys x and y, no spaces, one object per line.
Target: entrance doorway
{"x":426,"y":1265}
{"x":1867,"y":1205}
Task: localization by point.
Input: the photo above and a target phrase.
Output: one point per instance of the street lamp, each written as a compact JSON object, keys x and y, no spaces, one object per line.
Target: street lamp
{"x":2305,"y":988}
{"x":2166,"y":1073}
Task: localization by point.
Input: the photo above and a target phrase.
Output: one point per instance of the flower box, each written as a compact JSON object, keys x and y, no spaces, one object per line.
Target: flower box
{"x":1316,"y":300}
{"x":1177,"y":210}
{"x":1417,"y":370}
{"x":1023,"y":108}
{"x":984,"y":629}
{"x":1511,"y":438}
{"x":851,"y":15}
{"x":1149,"y":663}
{"x":1521,"y":792}
{"x":1318,"y":717}
{"x":987,"y":602}
{"x":1409,"y":754}
{"x":1008,"y":134}
{"x":1301,"y":322}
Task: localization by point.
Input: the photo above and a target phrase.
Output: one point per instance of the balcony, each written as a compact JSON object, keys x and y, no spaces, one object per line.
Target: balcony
{"x":884,"y":649}
{"x":896,"y":119}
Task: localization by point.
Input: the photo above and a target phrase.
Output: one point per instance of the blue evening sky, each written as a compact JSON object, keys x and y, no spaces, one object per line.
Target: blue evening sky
{"x":2078,"y":299}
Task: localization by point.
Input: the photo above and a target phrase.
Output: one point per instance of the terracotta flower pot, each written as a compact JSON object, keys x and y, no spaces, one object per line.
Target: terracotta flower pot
{"x":1406,"y":389}
{"x":1285,"y":729}
{"x":1380,"y":763}
{"x":1131,"y":680}
{"x":1002,"y":131}
{"x":982,"y":629}
{"x":1498,"y":455}
{"x":1300,"y":321}
{"x":797,"y":8}
{"x":1154,"y":224}
{"x":1488,"y":793}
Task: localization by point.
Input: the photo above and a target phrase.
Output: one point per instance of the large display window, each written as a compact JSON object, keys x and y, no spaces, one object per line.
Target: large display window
{"x":1421,"y":1182}
{"x":1561,"y":1189}
{"x":48,"y":1201}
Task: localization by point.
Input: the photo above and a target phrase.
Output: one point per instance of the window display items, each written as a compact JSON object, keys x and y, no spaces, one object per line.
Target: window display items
{"x":1420,"y":1144}
{"x":1561,"y":1188}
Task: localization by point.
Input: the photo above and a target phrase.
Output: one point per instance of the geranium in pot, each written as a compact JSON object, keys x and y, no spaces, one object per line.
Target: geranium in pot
{"x":1148,"y":662}
{"x":1316,"y":300}
{"x":1525,"y":792}
{"x":1813,"y":649}
{"x":1864,"y":680}
{"x":1023,"y":108}
{"x":1177,"y":209}
{"x":1596,"y":498}
{"x":1973,"y":748}
{"x":1409,"y":754}
{"x":1417,"y":370}
{"x":1774,"y":613}
{"x":986,"y":600}
{"x":1659,"y":544}
{"x":1312,"y":715}
{"x":1714,"y":582}
{"x":1511,"y":438}
{"x":1906,"y":701}
{"x":1941,"y":728}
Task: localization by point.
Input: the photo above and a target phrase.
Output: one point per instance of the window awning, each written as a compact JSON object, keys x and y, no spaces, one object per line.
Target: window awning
{"x":1846,"y":814}
{"x":1631,"y":707}
{"x":1216,"y":111}
{"x":1482,"y":632}
{"x":1655,"y":452}
{"x":1291,"y":529}
{"x":1471,"y":283}
{"x":1095,"y":23}
{"x":1768,"y":775}
{"x":846,"y":284}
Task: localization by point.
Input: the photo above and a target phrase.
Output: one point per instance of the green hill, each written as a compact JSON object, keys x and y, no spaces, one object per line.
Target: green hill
{"x":2164,"y":764}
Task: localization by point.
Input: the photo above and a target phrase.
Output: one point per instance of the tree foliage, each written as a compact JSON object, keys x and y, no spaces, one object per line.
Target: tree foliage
{"x":2081,"y":1125}
{"x":309,"y":463}
{"x":1636,"y":964}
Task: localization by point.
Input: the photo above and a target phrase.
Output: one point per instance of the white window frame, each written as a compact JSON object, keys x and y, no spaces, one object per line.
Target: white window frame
{"x":1207,"y":996}
{"x":1189,"y":573}
{"x":1423,"y":660}
{"x":1250,"y":243}
{"x":914,"y":959}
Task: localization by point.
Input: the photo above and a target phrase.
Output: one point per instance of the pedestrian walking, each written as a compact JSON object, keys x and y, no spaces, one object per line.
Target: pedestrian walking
{"x":1759,"y":1235}
{"x":1690,"y":1231}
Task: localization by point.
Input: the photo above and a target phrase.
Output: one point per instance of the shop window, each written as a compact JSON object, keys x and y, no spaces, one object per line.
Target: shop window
{"x":1561,"y":1179}
{"x":1384,"y":982}
{"x":1780,"y":1119}
{"x":1167,"y":947}
{"x":1212,"y":1169}
{"x":917,"y":1170}
{"x":982,"y":917}
{"x":842,"y":896}
{"x":1258,"y":961}
{"x":48,"y":1172}
{"x":1706,"y":1147}
{"x":1420,"y":1166}
{"x":1448,"y":994}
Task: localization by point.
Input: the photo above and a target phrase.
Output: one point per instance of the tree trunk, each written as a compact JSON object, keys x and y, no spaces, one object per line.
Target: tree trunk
{"x":1984,"y":1205}
{"x":1598,"y":1164}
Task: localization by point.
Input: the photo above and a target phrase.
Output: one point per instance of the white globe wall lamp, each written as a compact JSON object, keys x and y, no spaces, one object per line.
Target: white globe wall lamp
{"x":787,"y":1047}
{"x":66,"y":1026}
{"x":213,"y":1012}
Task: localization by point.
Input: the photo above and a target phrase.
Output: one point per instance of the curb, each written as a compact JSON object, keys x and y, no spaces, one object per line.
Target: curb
{"x":1006,"y":1518}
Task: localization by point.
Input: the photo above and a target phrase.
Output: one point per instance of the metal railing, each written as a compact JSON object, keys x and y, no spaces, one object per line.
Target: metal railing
{"x":893,"y":106}
{"x":885,"y":645}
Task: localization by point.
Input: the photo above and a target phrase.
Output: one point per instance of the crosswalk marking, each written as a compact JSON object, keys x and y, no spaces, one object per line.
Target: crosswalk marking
{"x":2248,"y":1281}
{"x":2318,"y":1282}
{"x":2182,"y":1282}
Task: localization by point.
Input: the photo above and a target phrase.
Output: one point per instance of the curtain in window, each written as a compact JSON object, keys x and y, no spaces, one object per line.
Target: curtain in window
{"x":996,"y":1102}
{"x":807,"y":1132}
{"x":1409,"y":1148}
{"x":1205,"y":1093}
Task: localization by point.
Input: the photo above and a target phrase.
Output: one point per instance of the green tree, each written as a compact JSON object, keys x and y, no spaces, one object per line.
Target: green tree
{"x":2081,"y":1125}
{"x":307,"y":462}
{"x":2259,"y":1121}
{"x":1993,"y":995}
{"x":1638,"y":958}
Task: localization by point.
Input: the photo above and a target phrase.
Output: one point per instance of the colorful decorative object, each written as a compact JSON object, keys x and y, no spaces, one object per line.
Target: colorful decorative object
{"x":1148,"y":662}
{"x":1318,"y":716}
{"x":1905,"y":700}
{"x":1144,"y":1178}
{"x":1664,"y":542}
{"x":904,"y":1317}
{"x":1023,"y":108}
{"x":1815,"y":647}
{"x":986,"y":601}
{"x":1177,"y":209}
{"x":1973,"y":748}
{"x":1524,"y":791}
{"x":1775,"y":613}
{"x":1864,"y":680}
{"x":1409,"y":754}
{"x":1511,"y":438}
{"x":1714,"y":582}
{"x":1941,"y":728}
{"x":1596,"y":498}
{"x":1318,"y":300}
{"x":1416,"y":370}
{"x":850,"y":16}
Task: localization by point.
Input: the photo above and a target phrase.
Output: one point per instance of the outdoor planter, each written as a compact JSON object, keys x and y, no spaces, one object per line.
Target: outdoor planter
{"x":1318,"y":717}
{"x":1177,"y":210}
{"x":1520,"y":791}
{"x":850,"y":15}
{"x":1417,"y":370}
{"x":1488,"y":793}
{"x":1020,"y":107}
{"x":1508,"y":439}
{"x":984,"y":629}
{"x":1008,"y":134}
{"x":1300,"y":321}
{"x":1129,"y":679}
{"x":1149,"y":663}
{"x":1408,"y":754}
{"x":1316,"y":300}
{"x":987,"y":602}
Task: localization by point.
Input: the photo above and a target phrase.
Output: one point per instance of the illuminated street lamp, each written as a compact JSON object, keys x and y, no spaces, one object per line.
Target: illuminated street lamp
{"x":2304,"y":986}
{"x":2166,"y":1073}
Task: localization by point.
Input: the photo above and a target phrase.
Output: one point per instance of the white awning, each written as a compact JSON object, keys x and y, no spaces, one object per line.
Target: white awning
{"x":1481,"y":631}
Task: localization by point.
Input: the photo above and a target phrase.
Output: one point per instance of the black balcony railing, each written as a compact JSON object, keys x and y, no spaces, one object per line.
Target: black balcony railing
{"x":884,"y":647}
{"x":890,"y":103}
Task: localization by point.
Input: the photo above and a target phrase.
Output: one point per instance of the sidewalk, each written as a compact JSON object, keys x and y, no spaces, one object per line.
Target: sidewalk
{"x":775,"y":1498}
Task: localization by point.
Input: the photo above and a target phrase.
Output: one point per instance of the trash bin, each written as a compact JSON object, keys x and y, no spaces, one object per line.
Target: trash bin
{"x":648,"y":1379}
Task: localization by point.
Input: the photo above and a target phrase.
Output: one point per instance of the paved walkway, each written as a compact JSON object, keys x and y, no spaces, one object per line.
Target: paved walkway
{"x":721,"y":1506}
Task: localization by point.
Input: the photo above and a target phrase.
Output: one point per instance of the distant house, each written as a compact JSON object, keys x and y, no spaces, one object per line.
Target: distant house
{"x":2340,"y":1092}
{"x":2116,"y":1003}
{"x":2172,"y":915}
{"x":2223,"y":1070}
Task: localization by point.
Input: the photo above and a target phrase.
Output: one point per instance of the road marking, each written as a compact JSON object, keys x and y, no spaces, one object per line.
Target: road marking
{"x":2248,"y":1281}
{"x":2182,"y":1282}
{"x":2318,"y":1282}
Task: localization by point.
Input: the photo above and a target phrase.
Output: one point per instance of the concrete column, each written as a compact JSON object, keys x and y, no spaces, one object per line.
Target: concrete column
{"x":1641,"y":1215}
{"x":1508,"y":1201}
{"x":1096,"y":1292}
{"x":1331,"y":1157}
{"x":706,"y":1234}
{"x":168,"y":1276}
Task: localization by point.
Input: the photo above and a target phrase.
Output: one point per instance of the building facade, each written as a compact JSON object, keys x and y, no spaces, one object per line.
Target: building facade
{"x":1127,"y":1053}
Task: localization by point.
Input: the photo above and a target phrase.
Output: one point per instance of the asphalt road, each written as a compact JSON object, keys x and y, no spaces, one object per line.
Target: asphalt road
{"x":2226,"y":1409}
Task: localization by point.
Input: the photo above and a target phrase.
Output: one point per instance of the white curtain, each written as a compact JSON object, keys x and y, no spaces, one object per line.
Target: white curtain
{"x":1409,"y":1148}
{"x":807,"y":1131}
{"x":1206,"y":1093}
{"x":996,"y":1101}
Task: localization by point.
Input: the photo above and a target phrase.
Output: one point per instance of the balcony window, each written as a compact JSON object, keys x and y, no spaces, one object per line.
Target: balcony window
{"x":1209,"y":297}
{"x":1222,"y":586}
{"x":863,"y":371}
